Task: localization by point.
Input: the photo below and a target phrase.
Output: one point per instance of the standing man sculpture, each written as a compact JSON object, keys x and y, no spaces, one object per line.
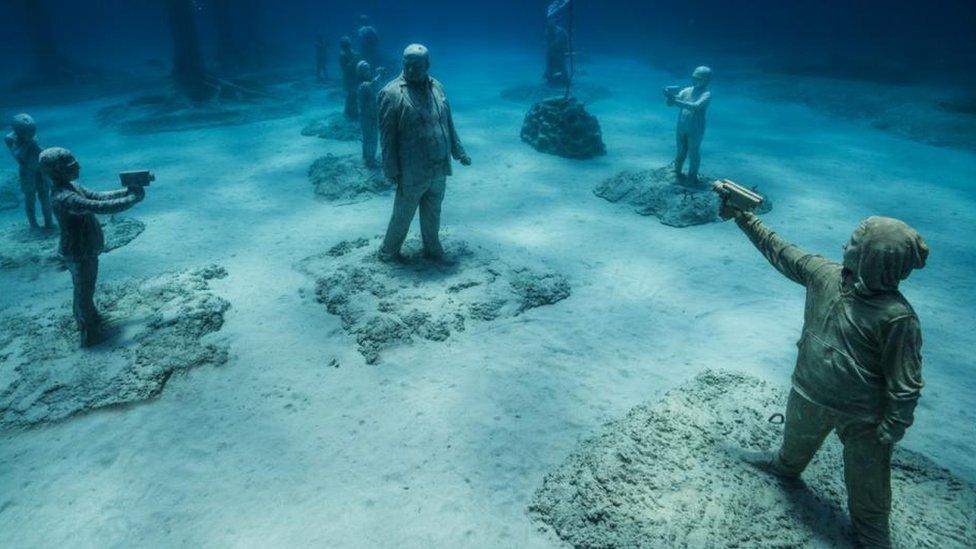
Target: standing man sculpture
{"x":22,"y":143}
{"x":418,"y":140}
{"x":81,"y":233}
{"x":693,"y":104}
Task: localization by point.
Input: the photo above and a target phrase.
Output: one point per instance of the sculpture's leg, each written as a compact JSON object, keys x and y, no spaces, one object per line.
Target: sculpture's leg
{"x":805,"y":428}
{"x":694,"y":157}
{"x":30,"y":200}
{"x":430,"y":217}
{"x":679,"y":159}
{"x":44,"y":197}
{"x":867,"y":474}
{"x":84,"y":275}
{"x":404,"y":208}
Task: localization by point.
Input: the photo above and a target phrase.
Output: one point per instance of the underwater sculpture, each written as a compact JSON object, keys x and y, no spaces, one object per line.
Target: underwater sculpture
{"x":81,"y":234}
{"x":858,"y":371}
{"x":692,"y":103}
{"x":22,"y":142}
{"x":418,"y":138}
{"x":369,"y":41}
{"x":368,"y":110}
{"x":557,"y":49}
{"x":561,"y":125}
{"x":348,"y":59}
{"x":321,"y":59}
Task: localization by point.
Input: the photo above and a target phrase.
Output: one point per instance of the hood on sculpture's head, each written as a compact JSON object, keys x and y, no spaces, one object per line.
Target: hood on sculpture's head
{"x":882,"y":252}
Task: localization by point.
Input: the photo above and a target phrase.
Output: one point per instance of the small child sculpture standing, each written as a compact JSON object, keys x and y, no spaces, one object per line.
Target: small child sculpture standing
{"x":22,"y":143}
{"x":693,"y":104}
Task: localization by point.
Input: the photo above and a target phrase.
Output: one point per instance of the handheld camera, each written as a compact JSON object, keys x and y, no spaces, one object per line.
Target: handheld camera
{"x":140,"y":178}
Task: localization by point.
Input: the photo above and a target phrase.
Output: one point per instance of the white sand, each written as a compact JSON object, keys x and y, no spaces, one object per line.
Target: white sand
{"x":443,"y":444}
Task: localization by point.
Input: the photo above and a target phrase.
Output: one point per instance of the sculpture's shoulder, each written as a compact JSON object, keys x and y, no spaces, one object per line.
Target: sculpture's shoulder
{"x":438,"y":89}
{"x":394,"y":88}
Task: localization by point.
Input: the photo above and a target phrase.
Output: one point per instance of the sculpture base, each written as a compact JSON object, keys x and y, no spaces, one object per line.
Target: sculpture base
{"x":346,"y":178}
{"x":670,"y":474}
{"x":383,"y":305}
{"x":677,"y":202}
{"x":334,"y":126}
{"x":561,"y":126}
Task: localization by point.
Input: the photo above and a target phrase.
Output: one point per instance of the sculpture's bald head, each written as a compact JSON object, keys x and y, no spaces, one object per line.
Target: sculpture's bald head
{"x":23,"y":126}
{"x":702,"y":76}
{"x":416,"y":64}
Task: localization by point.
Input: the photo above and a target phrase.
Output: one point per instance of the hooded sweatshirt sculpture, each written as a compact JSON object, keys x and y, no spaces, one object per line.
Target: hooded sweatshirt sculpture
{"x":859,"y":365}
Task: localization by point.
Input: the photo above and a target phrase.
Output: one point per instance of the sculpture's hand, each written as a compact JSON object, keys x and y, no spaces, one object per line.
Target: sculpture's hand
{"x":465,"y":160}
{"x":139,"y":192}
{"x":726,"y":211}
{"x":885,"y":436}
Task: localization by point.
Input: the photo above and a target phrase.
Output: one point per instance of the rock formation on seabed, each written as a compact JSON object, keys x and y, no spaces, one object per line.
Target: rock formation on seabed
{"x":660,"y":193}
{"x":669,"y":474}
{"x":561,"y":126}
{"x":386,"y":304}
{"x":346,"y":178}
{"x":156,"y":329}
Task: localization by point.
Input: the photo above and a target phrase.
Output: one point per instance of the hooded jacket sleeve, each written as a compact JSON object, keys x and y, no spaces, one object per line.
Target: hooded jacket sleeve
{"x":389,"y":125}
{"x":901,"y":361}
{"x":790,"y":260}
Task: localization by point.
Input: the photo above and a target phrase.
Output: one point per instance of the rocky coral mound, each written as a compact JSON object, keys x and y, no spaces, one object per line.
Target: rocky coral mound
{"x":346,"y":178}
{"x":561,"y":126}
{"x":669,"y":474}
{"x":22,"y":247}
{"x":660,"y":193}
{"x":533,"y":93}
{"x":386,"y":304}
{"x":334,"y":126}
{"x":155,"y":329}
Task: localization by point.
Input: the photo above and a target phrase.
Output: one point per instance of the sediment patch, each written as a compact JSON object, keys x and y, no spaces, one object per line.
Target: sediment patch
{"x":156,"y":328}
{"x":386,"y":304}
{"x":669,"y":474}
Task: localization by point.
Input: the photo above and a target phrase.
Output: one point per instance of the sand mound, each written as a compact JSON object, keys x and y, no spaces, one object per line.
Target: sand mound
{"x":668,"y":475}
{"x":22,"y":247}
{"x":562,"y":127}
{"x":533,"y":93}
{"x":156,"y":327}
{"x":659,"y":193}
{"x":346,"y":178}
{"x":334,"y":126}
{"x":383,"y":305}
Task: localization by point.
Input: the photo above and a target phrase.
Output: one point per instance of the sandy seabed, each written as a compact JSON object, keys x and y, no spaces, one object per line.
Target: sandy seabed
{"x":296,"y":441}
